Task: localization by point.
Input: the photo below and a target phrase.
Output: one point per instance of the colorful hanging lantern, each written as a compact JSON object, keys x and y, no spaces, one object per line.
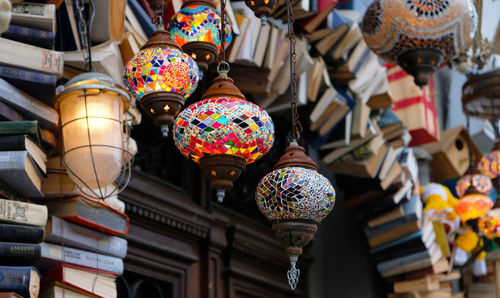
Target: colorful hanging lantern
{"x":295,"y":198}
{"x":161,"y":77}
{"x":262,"y":8}
{"x":223,"y":132}
{"x":196,"y":28}
{"x":419,"y":35}
{"x":473,"y":205}
{"x":489,"y":224}
{"x":473,"y":177}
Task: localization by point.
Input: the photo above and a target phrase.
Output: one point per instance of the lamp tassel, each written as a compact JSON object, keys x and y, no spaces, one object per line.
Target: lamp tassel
{"x":293,"y":274}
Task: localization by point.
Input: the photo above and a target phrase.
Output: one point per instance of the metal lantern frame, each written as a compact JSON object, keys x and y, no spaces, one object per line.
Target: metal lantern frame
{"x":92,"y":86}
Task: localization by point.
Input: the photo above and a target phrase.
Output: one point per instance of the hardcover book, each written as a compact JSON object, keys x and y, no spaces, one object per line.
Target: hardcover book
{"x":23,"y":213}
{"x":24,"y":281}
{"x":21,"y":233}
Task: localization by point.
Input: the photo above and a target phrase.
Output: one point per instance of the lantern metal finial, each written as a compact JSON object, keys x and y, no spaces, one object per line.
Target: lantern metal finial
{"x":293,"y":274}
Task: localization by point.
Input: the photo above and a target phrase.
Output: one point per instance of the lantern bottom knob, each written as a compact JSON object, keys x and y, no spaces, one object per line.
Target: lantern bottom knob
{"x":420,"y":64}
{"x":220,"y":195}
{"x":293,"y":274}
{"x":204,"y":53}
{"x":162,"y":106}
{"x":294,"y":235}
{"x":164,"y":130}
{"x":222,"y":170}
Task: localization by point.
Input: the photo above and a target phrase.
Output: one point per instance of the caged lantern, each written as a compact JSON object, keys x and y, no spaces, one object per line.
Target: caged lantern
{"x":97,"y":151}
{"x":419,"y":35}
{"x":196,"y":28}
{"x":223,"y":132}
{"x":161,"y":76}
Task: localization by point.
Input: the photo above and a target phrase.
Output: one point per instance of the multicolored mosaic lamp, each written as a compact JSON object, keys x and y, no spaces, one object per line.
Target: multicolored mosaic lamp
{"x":473,"y":205}
{"x":295,"y":198}
{"x":196,"y":28}
{"x":419,"y":35}
{"x":262,"y":8}
{"x":223,"y":132}
{"x":489,"y":224}
{"x":473,"y":177}
{"x":161,"y":77}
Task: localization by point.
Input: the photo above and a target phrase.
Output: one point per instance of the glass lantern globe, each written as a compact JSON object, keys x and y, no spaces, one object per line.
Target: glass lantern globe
{"x":5,"y":15}
{"x":419,"y":35}
{"x":196,"y":28}
{"x":473,"y":206}
{"x":490,"y":164}
{"x":481,"y":182}
{"x":223,"y":132}
{"x":489,"y":224}
{"x":95,"y":138}
{"x":161,"y":77}
{"x":295,"y":198}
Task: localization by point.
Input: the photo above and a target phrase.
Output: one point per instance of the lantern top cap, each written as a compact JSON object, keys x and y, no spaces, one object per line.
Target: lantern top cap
{"x":94,"y":80}
{"x":161,"y":39}
{"x":200,"y":2}
{"x":295,"y":156}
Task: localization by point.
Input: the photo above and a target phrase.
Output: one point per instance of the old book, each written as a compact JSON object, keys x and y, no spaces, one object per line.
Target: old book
{"x":382,"y":96}
{"x":59,"y":291}
{"x":19,"y":54}
{"x":90,"y":212}
{"x":32,"y":36}
{"x":19,"y":171}
{"x":361,"y":168}
{"x":314,"y":22}
{"x":54,"y":255}
{"x":24,"y":281}
{"x":28,"y":105}
{"x":19,"y":254}
{"x":24,"y":142}
{"x":329,"y":41}
{"x":59,"y":231}
{"x":261,"y":46}
{"x":135,"y":26}
{"x":442,"y":265}
{"x":10,"y":295}
{"x":235,"y":47}
{"x":361,"y":114}
{"x":364,"y":152}
{"x":270,"y":53}
{"x":327,"y":104}
{"x":21,"y":233}
{"x":329,"y":124}
{"x":350,"y":39}
{"x":142,"y":17}
{"x":366,"y":74}
{"x":413,"y":206}
{"x":318,"y":35}
{"x":37,"y":84}
{"x":35,"y":15}
{"x":128,"y":47}
{"x":108,"y":20}
{"x":23,"y":213}
{"x":408,"y":259}
{"x":106,"y":58}
{"x":395,"y":233}
{"x":317,"y":79}
{"x":9,"y":114}
{"x":423,"y":284}
{"x":93,"y":282}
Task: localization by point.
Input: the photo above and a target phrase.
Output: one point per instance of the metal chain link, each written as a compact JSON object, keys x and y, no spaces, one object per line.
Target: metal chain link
{"x":296,"y":126}
{"x":222,"y":54}
{"x":82,"y":28}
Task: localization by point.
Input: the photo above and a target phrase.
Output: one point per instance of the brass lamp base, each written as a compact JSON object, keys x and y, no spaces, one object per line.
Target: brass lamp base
{"x":294,"y":235}
{"x":420,"y":64}
{"x":162,"y":107}
{"x":222,"y":170}
{"x":203,"y":53}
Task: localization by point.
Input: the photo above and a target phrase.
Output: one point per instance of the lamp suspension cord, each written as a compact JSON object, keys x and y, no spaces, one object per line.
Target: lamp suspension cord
{"x":296,"y":127}
{"x":223,"y":66}
{"x":85,"y":32}
{"x":469,"y":143}
{"x":494,"y":119}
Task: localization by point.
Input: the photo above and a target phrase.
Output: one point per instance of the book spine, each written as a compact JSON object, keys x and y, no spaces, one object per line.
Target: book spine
{"x":15,"y":279}
{"x":11,"y":143}
{"x":370,"y":232}
{"x":84,"y":238}
{"x":22,"y":75}
{"x":387,"y":265}
{"x":20,"y":233}
{"x":36,"y":37}
{"x":8,"y":113}
{"x":6,"y":192}
{"x":81,"y":258}
{"x":23,"y":213}
{"x":15,"y":253}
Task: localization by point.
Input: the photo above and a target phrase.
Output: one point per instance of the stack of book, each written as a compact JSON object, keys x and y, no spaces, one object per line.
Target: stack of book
{"x":53,"y":240}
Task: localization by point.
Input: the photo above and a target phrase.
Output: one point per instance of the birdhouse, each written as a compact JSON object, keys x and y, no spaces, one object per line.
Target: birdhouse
{"x":450,"y":155}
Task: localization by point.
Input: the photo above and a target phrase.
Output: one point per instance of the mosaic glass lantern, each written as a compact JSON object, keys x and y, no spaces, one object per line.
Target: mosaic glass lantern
{"x":473,"y":177}
{"x":295,"y":198}
{"x":223,"y":132}
{"x":489,"y":224}
{"x":96,"y":146}
{"x":262,"y":8}
{"x":419,"y":35}
{"x":161,"y":77}
{"x":196,"y":28}
{"x":5,"y":14}
{"x":473,"y":205}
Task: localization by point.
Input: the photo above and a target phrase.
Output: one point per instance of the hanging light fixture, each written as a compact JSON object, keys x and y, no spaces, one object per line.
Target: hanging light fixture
{"x":223,"y":132}
{"x":262,"y":8}
{"x":489,"y":224}
{"x":95,"y":137}
{"x":294,"y":197}
{"x":5,"y":14}
{"x":473,"y":205}
{"x":419,"y":35}
{"x":196,"y":28}
{"x":161,"y":76}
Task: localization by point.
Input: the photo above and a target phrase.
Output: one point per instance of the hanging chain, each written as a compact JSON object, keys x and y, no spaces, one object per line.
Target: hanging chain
{"x":84,"y":35}
{"x":159,"y":7}
{"x":296,"y":127}
{"x":223,"y":24}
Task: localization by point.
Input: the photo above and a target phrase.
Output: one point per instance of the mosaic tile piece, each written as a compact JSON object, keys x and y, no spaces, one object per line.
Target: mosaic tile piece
{"x":224,"y":125}
{"x":481,"y":182}
{"x":393,"y":27}
{"x":161,"y":69}
{"x":199,"y":23}
{"x":295,"y":193}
